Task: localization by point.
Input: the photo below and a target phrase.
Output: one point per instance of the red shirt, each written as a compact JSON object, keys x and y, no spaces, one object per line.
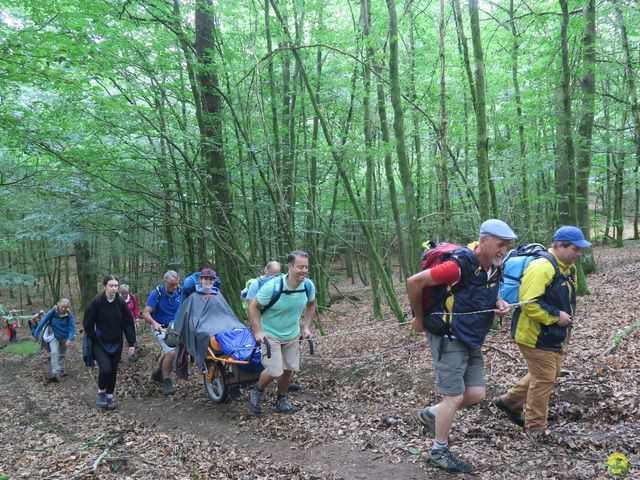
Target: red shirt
{"x":446,"y":273}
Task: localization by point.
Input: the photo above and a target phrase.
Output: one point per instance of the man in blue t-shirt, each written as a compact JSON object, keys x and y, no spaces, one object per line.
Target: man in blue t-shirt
{"x":160,"y":310}
{"x":272,"y":269}
{"x":279,"y":323}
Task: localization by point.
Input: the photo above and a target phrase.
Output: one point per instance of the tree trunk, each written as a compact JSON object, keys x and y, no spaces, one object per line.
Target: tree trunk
{"x":445,"y":206}
{"x":524,"y":175}
{"x":635,"y":115}
{"x":482,"y":140}
{"x":368,"y":142}
{"x":401,"y":149}
{"x":366,"y":228}
{"x":585,"y":133}
{"x":388,"y":161}
{"x":566,"y":172}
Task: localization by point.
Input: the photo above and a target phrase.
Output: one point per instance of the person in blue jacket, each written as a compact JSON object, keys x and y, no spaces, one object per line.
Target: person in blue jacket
{"x":60,"y":319}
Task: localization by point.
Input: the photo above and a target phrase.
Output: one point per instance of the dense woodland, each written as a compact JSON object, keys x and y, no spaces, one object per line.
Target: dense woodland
{"x":140,"y":136}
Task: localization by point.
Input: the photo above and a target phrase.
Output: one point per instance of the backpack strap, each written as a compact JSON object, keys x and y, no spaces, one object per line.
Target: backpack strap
{"x":278,"y":290}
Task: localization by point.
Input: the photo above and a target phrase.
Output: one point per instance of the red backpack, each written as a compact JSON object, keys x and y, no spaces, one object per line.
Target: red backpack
{"x":432,"y":256}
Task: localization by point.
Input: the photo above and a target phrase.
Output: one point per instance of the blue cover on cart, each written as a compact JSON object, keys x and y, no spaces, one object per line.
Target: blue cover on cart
{"x":238,"y":343}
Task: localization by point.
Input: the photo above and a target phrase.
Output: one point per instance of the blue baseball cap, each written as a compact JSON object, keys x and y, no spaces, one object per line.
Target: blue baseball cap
{"x":571,"y":234}
{"x":497,"y":228}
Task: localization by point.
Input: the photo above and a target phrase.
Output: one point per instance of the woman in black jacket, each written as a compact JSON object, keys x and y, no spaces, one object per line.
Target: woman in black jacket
{"x":105,"y":320}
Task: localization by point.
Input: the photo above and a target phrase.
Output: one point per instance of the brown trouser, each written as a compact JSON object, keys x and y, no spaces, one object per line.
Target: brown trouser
{"x":535,"y":387}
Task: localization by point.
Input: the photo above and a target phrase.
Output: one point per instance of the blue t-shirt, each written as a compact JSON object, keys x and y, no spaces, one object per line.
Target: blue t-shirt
{"x":165,"y":310}
{"x":255,"y":285}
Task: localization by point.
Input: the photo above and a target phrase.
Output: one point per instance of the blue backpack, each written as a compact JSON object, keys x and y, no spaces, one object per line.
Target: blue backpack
{"x":261,"y":281}
{"x":514,"y":265}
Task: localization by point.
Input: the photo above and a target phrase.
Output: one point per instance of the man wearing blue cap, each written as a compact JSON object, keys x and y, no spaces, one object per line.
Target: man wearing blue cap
{"x":466,"y":299}
{"x":542,"y":327}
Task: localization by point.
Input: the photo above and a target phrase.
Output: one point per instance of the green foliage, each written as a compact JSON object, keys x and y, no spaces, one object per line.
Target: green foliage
{"x":101,"y":145}
{"x":21,"y":348}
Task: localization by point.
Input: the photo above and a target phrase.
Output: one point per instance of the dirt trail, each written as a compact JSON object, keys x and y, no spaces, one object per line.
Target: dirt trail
{"x":359,"y":395}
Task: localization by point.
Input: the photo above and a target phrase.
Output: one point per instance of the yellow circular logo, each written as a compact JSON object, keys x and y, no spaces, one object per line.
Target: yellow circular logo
{"x":617,"y":464}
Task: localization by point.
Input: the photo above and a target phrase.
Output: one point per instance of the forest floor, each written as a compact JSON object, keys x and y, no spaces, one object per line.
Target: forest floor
{"x":360,"y":392}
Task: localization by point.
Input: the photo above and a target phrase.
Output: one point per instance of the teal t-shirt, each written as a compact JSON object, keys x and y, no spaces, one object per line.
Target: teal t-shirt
{"x":282,"y":320}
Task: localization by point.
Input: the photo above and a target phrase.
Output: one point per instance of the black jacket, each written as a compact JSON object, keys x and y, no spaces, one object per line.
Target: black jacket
{"x":107,"y":321}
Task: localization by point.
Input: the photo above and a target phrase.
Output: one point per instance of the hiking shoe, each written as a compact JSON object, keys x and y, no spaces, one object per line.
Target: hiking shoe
{"x":133,"y":358}
{"x":283,"y":405}
{"x":234,"y":392}
{"x":428,"y":419}
{"x":447,"y":460}
{"x":255,"y":401}
{"x":167,"y":387}
{"x":101,"y":400}
{"x":515,"y":417}
{"x":111,"y":403}
{"x":294,"y":387}
{"x":157,"y":376}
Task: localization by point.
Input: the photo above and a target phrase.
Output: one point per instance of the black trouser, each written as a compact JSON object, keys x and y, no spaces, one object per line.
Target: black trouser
{"x":108,"y":365}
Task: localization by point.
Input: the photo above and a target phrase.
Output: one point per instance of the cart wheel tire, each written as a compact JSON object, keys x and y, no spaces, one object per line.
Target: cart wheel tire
{"x":216,"y":387}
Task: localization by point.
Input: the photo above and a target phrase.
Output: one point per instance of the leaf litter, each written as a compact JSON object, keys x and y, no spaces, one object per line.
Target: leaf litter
{"x":359,"y":396}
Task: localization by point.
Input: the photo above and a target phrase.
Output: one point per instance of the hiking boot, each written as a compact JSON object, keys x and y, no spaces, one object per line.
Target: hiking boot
{"x":294,"y":387}
{"x":428,"y":419}
{"x":234,"y":392}
{"x":111,"y":403}
{"x":133,"y":358}
{"x":59,"y":378}
{"x":101,"y":400}
{"x":64,"y":374}
{"x":167,"y":387}
{"x":515,"y":417}
{"x":447,"y":460}
{"x":283,"y":405}
{"x":157,"y":376}
{"x":255,"y":401}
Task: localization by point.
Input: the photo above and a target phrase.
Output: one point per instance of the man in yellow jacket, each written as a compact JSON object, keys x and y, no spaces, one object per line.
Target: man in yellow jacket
{"x":542,"y":327}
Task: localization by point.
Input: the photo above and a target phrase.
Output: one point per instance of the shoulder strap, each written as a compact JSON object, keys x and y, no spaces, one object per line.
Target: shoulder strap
{"x":553,"y":261}
{"x":275,"y":295}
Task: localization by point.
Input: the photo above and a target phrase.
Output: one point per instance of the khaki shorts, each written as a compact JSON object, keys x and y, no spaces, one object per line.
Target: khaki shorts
{"x":458,"y":367}
{"x":285,"y":355}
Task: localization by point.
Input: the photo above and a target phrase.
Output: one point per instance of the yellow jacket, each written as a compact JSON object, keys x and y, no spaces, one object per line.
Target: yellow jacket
{"x":535,"y":324}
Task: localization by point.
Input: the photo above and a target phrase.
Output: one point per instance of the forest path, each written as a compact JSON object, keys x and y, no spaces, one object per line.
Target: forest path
{"x":360,"y":392}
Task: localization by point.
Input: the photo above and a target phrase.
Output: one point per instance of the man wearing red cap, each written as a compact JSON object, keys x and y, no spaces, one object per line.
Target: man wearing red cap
{"x":542,"y":327}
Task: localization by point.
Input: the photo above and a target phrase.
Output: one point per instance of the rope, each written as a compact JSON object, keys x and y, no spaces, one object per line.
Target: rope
{"x":379,"y":328}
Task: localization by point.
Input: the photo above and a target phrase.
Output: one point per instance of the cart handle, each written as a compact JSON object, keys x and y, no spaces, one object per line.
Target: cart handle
{"x":267,"y":344}
{"x":310,"y":340}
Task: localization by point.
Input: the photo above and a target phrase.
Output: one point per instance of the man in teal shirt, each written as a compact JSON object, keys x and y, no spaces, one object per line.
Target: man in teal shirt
{"x":279,"y":323}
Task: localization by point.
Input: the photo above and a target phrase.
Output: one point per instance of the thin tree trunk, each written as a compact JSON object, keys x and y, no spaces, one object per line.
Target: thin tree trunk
{"x":398,"y":128}
{"x":482,"y":140}
{"x":585,"y":134}
{"x":445,"y":206}
{"x":635,"y":114}
{"x":368,"y":142}
{"x":366,"y":228}
{"x":524,"y":175}
{"x":566,"y":173}
{"x":388,"y":160}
